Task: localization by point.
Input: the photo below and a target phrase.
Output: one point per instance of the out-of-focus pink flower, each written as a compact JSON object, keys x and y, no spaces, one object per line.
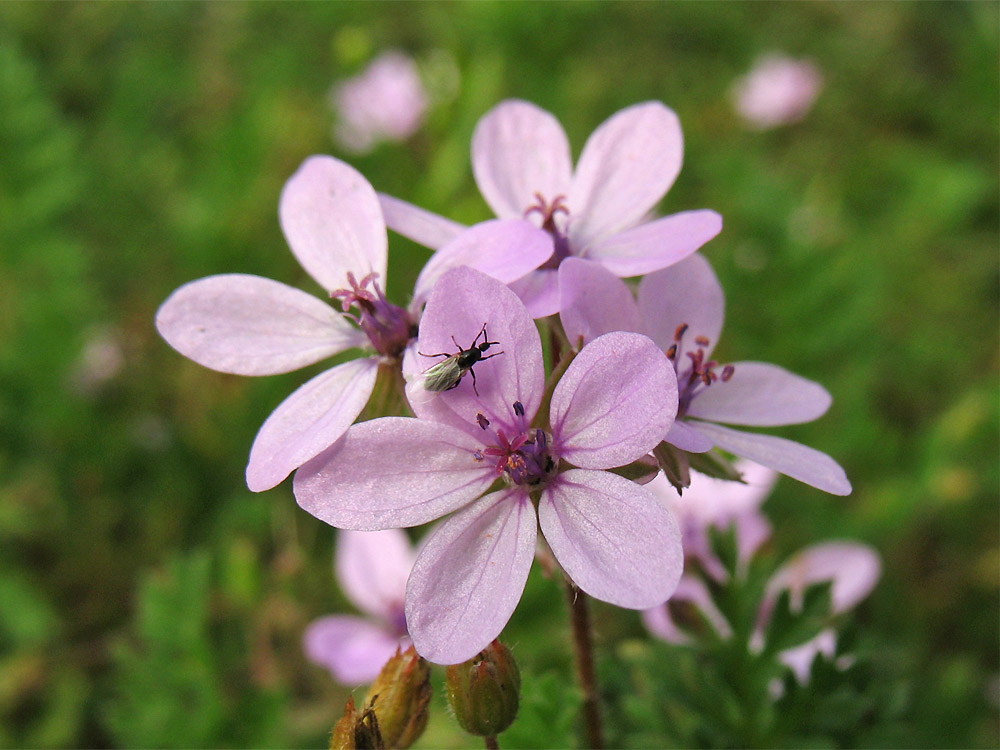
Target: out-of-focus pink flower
{"x":610,"y":535}
{"x":385,"y":102}
{"x":717,"y":503}
{"x":777,"y":91}
{"x":248,"y":325}
{"x":598,"y":211}
{"x":682,"y":309}
{"x":372,"y":568}
{"x":100,"y":360}
{"x":852,"y":568}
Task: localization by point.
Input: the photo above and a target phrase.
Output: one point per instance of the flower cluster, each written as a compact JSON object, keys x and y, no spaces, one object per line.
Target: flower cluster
{"x":518,"y":458}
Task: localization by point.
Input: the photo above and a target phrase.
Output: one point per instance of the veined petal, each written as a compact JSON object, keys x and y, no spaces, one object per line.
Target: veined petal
{"x":352,"y":648}
{"x":613,"y":538}
{"x":249,"y":325}
{"x":615,"y":402}
{"x":372,"y":568}
{"x":761,"y":395}
{"x":518,"y":150}
{"x":505,"y":249}
{"x":392,"y":472}
{"x":462,"y":301}
{"x":687,"y":439}
{"x":655,"y":244}
{"x":469,"y":577}
{"x":594,"y":301}
{"x":413,"y":222}
{"x":309,"y":421}
{"x":627,"y":165}
{"x":687,"y":292}
{"x":539,"y":291}
{"x":791,"y":459}
{"x":333,"y":223}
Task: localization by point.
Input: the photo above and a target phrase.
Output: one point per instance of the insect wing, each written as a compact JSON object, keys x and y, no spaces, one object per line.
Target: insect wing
{"x":442,"y":376}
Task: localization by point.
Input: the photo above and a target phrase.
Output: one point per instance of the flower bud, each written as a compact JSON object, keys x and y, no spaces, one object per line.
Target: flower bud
{"x":400,"y":696}
{"x":484,"y":691}
{"x":357,"y":730}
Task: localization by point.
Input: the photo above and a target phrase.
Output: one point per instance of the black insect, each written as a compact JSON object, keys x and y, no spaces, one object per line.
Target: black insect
{"x":448,"y":373}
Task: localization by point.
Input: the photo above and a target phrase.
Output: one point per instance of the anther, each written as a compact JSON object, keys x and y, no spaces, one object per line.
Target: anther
{"x":680,"y":331}
{"x":727,"y":373}
{"x":518,"y":409}
{"x":483,"y":421}
{"x":701,"y":340}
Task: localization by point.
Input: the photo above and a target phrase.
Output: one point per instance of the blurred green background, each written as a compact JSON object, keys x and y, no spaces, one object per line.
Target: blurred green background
{"x":147,"y":598}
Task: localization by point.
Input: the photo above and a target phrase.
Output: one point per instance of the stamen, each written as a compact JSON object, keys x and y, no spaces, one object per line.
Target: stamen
{"x":483,"y":421}
{"x":727,"y":373}
{"x":519,"y":408}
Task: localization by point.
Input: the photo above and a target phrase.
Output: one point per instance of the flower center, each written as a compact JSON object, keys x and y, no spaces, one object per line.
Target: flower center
{"x":695,"y":377}
{"x":524,"y":458}
{"x":389,"y":326}
{"x":548,"y":212}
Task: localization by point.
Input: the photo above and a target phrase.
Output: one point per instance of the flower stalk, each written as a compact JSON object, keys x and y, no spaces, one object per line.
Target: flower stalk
{"x":583,"y":647}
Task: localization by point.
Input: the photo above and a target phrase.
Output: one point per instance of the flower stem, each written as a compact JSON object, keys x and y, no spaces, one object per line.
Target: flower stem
{"x":491,"y":743}
{"x":584,"y":648}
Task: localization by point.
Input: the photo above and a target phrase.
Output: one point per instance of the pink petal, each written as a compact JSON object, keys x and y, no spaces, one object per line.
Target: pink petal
{"x":594,"y":301}
{"x":800,"y":659}
{"x":655,"y":244}
{"x":333,"y":223}
{"x":539,"y":291}
{"x":687,"y":439}
{"x":717,"y":502}
{"x":518,"y":150}
{"x":372,"y":568}
{"x":309,"y":421}
{"x":423,"y":227}
{"x":505,"y":249}
{"x":248,"y":325}
{"x":462,"y":301}
{"x":791,"y":459}
{"x":761,"y":395}
{"x":612,"y":537}
{"x":615,"y":402}
{"x":469,"y":576}
{"x":627,"y":165}
{"x":392,"y":472}
{"x":352,"y":648}
{"x":853,"y":568}
{"x":692,"y":591}
{"x":687,"y":292}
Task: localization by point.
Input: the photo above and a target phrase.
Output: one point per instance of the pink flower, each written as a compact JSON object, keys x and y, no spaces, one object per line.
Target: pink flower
{"x":610,"y":535}
{"x":711,"y":503}
{"x":385,"y":102}
{"x":248,"y":325}
{"x":778,"y":91}
{"x":682,"y":309}
{"x":852,"y":568}
{"x":599,"y":211}
{"x":372,"y":568}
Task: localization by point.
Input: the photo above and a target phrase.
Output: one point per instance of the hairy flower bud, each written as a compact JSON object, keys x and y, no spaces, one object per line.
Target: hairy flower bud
{"x":400,"y":696}
{"x":357,"y":730}
{"x":484,"y":691}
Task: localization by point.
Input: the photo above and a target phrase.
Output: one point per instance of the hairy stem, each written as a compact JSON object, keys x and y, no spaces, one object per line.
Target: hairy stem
{"x":584,"y":648}
{"x":491,"y":743}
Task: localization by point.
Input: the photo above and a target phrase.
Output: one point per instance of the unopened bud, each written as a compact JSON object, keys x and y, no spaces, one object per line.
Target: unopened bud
{"x":400,"y":696}
{"x":357,"y":730}
{"x":484,"y":691}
